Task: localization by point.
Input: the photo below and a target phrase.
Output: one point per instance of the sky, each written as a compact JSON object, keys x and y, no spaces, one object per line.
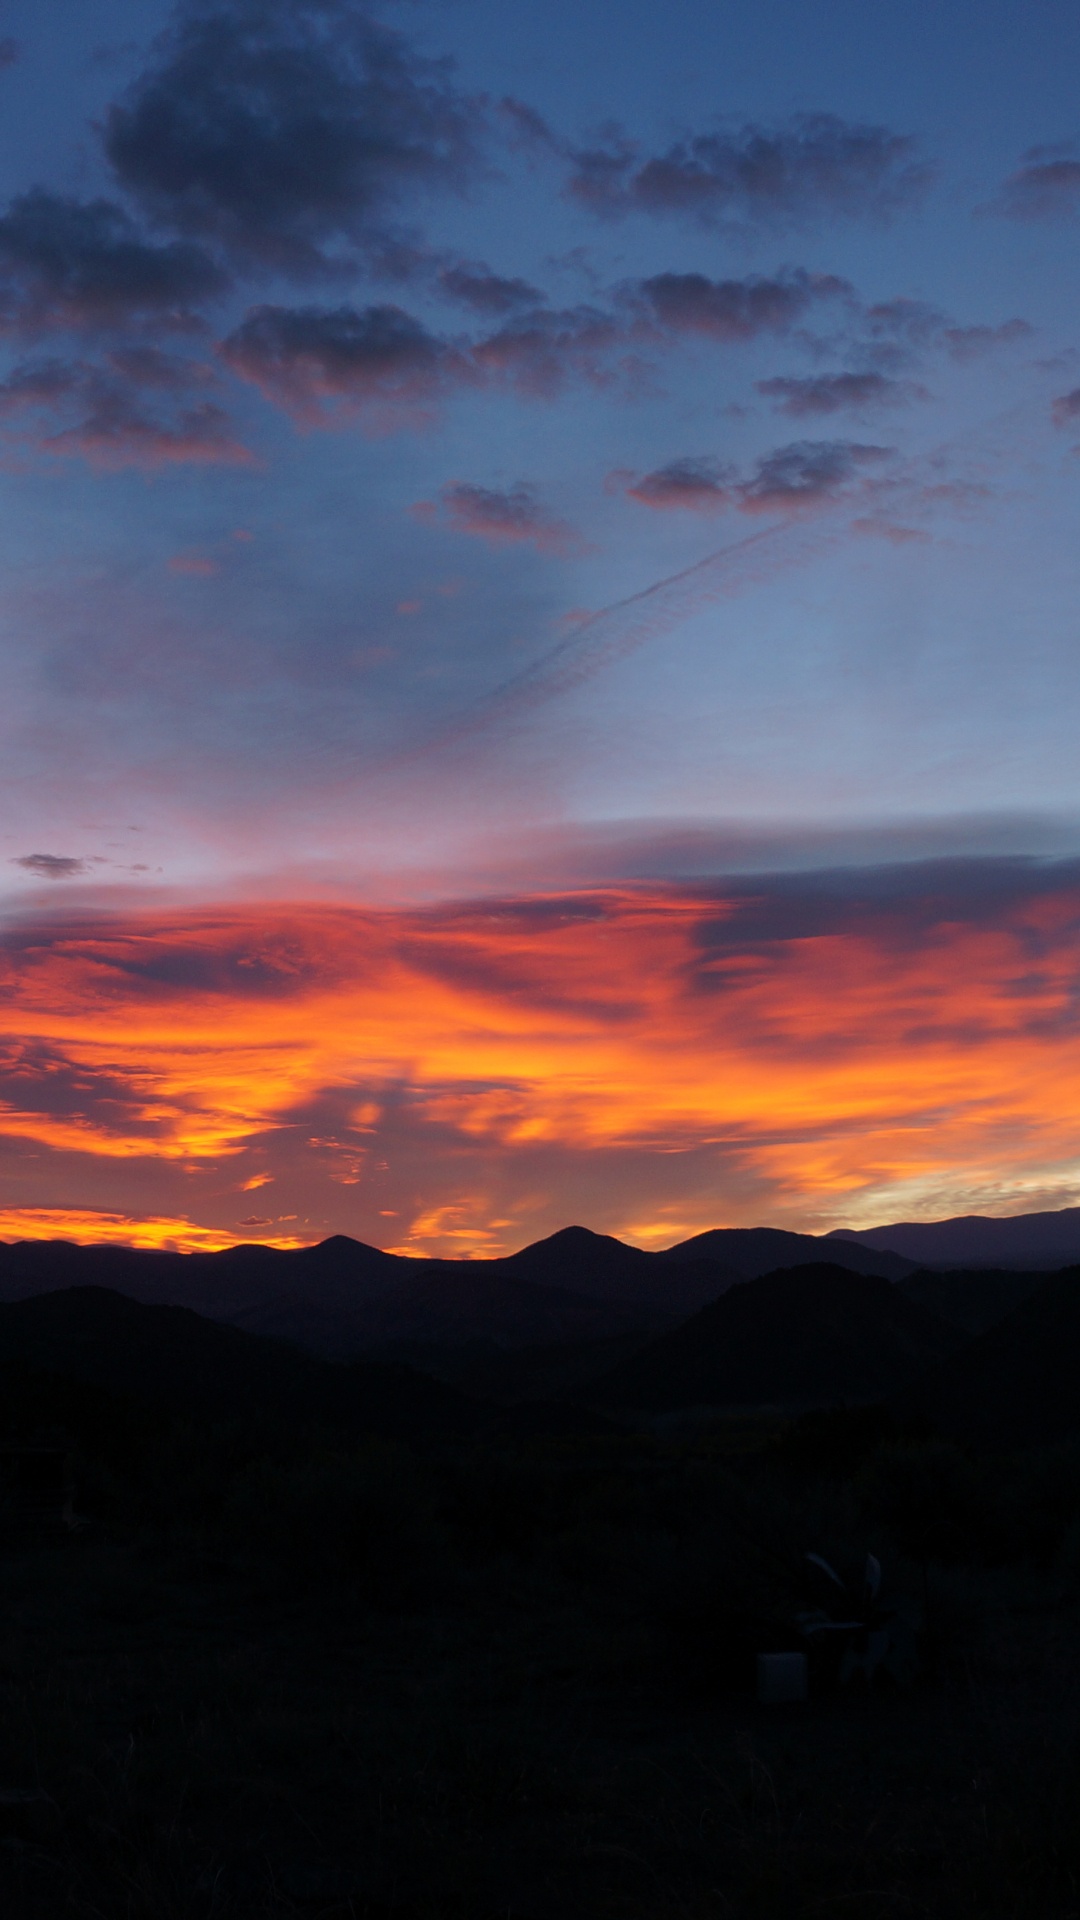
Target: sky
{"x":538,"y":618}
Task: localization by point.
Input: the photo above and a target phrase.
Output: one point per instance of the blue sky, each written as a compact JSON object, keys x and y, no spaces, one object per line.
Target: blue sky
{"x":464,"y":449}
{"x":308,"y":593}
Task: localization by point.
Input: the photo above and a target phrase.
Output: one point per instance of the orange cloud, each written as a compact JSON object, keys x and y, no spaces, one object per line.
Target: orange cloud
{"x":89,"y":1228}
{"x":660,"y":1060}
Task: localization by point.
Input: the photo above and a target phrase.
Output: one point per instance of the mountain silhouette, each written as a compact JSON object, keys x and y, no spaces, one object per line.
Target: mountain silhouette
{"x":1024,"y":1240}
{"x":342,"y":1298}
{"x":970,"y":1298}
{"x":801,"y":1337}
{"x":175,"y":1361}
{"x":752,"y":1251}
{"x":1015,"y":1385}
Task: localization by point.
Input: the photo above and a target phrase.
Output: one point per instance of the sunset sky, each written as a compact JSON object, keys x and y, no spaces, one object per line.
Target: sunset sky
{"x":539,"y":617}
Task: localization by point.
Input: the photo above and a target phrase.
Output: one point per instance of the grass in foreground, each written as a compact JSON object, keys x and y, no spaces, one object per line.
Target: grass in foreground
{"x":493,"y":1680}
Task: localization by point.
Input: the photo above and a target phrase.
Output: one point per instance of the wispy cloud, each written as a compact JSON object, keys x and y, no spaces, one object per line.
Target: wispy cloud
{"x":306,"y":358}
{"x":737,"y":310}
{"x":502,"y":516}
{"x":474,"y":285}
{"x":825,"y":393}
{"x":84,"y":265}
{"x":135,"y":407}
{"x":1045,"y":186}
{"x":791,"y":174}
{"x":803,"y":474}
{"x":51,"y":866}
{"x":540,"y":351}
{"x":321,"y":363}
{"x":699,"y":483}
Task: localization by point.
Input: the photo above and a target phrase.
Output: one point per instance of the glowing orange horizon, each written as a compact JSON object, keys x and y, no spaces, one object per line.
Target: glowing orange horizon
{"x":871,"y":1065}
{"x":87,"y":1228}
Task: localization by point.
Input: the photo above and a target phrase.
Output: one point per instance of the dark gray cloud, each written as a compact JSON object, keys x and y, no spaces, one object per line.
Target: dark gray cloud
{"x":280,"y":128}
{"x":914,"y":322}
{"x":838,"y":393}
{"x":41,"y":383}
{"x":525,"y":128}
{"x":148,"y":367}
{"x":733,"y":310}
{"x":485,"y":292}
{"x":257,"y":963}
{"x":304,"y":357}
{"x":898,"y":903}
{"x":136,"y":407}
{"x":119,"y":432}
{"x":51,"y":866}
{"x":805,"y":473}
{"x":84,"y":264}
{"x":1066,"y":408}
{"x":382,"y":356}
{"x":789,"y":478}
{"x":701,"y":485}
{"x":504,"y":516}
{"x":814,"y":165}
{"x":898,"y":331}
{"x":971,"y":343}
{"x":537,"y":352}
{"x":1045,"y":186}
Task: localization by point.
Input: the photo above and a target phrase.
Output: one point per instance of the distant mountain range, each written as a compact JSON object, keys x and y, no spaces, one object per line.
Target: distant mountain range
{"x":791,"y":1340}
{"x":734,"y":1318}
{"x":1031,"y":1240}
{"x":1016,"y":1384}
{"x":342,"y":1298}
{"x":181,"y":1364}
{"x":963,"y":1352}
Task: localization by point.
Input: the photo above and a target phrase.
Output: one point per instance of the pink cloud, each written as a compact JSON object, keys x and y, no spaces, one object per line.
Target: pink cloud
{"x":511,"y":516}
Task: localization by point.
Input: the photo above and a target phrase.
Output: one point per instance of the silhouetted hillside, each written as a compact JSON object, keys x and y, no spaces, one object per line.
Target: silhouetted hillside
{"x":175,"y":1360}
{"x":805,"y":1336}
{"x":970,"y":1298}
{"x":1019,"y":1383}
{"x":748,"y":1252}
{"x":342,"y":1298}
{"x":1035,"y":1240}
{"x":474,"y":1304}
{"x":513,"y":1376}
{"x":339,"y":1269}
{"x":598,"y":1267}
{"x":576,"y":1257}
{"x":339,"y":1299}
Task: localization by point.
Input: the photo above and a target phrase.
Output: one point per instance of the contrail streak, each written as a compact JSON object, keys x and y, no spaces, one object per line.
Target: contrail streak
{"x":629,"y":624}
{"x":626,"y":625}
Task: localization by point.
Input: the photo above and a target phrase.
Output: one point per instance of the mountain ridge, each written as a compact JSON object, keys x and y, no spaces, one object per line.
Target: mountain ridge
{"x":1042,"y":1241}
{"x":796,"y":1338}
{"x":341,"y":1297}
{"x":1015,"y":1384}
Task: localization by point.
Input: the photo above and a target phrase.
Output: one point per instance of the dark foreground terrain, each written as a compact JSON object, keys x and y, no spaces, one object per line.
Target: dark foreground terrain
{"x":387,"y":1650}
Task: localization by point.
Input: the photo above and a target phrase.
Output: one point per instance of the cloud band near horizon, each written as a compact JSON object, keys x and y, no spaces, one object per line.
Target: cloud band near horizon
{"x":807,"y":1051}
